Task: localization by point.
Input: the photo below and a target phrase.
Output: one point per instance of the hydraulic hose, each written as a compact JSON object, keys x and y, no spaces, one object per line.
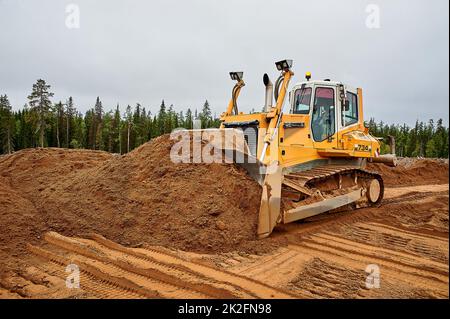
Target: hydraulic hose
{"x":233,"y":95}
{"x":277,"y":86}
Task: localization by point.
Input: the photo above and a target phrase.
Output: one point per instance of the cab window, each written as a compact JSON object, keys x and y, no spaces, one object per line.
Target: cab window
{"x":350,"y":111}
{"x":302,"y":100}
{"x":323,"y":117}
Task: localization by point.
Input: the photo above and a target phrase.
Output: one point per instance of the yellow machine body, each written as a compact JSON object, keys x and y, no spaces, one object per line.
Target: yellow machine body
{"x":295,"y":141}
{"x":316,"y":150}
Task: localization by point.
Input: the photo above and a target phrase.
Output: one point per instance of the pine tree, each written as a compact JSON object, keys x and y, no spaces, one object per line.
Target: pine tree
{"x":155,"y":127}
{"x":78,"y":135}
{"x":441,"y":139}
{"x":90,"y":129}
{"x":116,"y":124}
{"x":149,"y":126}
{"x":205,"y":115}
{"x":7,"y":125}
{"x":129,"y":120}
{"x":40,"y":104}
{"x":97,"y":124}
{"x":188,"y":119}
{"x":70,"y":113}
{"x":180,"y":122}
{"x":169,"y":120}
{"x":161,"y":118}
{"x":412,"y":141}
{"x":432,"y":148}
{"x":107,"y":132}
{"x":59,"y":113}
{"x":138,"y":116}
{"x":25,"y":135}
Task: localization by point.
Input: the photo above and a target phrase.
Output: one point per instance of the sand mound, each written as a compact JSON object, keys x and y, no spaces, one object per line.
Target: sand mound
{"x":23,"y":176}
{"x":144,"y":197}
{"x":141,"y":197}
{"x":30,"y":171}
{"x":18,"y":217}
{"x":411,"y":172}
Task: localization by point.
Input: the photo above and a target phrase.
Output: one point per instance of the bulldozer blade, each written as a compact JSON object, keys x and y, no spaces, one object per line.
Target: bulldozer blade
{"x":269,"y":211}
{"x":254,"y":170}
{"x":236,"y":150}
{"x":233,"y":144}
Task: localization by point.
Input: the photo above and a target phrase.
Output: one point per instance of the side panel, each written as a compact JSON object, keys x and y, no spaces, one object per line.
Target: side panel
{"x":296,"y":144}
{"x":343,"y":128}
{"x":354,"y":138}
{"x":262,"y":126}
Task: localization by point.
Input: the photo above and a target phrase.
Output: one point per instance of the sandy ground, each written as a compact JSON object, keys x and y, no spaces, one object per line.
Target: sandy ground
{"x":327,"y":256}
{"x":406,"y":238}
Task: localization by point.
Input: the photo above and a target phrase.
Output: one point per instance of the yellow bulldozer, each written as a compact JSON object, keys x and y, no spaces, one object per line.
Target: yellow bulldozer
{"x":310,"y":159}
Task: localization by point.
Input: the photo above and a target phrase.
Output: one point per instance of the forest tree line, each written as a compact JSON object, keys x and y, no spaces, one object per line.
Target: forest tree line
{"x":429,"y":139}
{"x":43,"y":123}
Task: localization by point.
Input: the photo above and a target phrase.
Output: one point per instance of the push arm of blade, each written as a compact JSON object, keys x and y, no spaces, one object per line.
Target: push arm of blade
{"x":267,"y":143}
{"x":279,"y":105}
{"x":276,"y":120}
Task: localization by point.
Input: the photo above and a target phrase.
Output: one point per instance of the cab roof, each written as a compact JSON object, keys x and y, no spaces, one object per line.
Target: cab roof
{"x":320,"y":82}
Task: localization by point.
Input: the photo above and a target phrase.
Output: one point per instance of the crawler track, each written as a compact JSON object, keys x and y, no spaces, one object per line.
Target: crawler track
{"x":322,"y":182}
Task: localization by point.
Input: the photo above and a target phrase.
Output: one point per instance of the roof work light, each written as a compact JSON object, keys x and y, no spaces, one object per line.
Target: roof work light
{"x":283,"y":65}
{"x":236,"y":75}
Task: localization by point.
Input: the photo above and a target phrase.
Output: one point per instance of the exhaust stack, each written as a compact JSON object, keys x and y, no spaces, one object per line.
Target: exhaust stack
{"x":269,"y":93}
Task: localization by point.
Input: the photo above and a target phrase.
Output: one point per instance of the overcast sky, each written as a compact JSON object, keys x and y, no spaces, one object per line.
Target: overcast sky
{"x":143,"y":51}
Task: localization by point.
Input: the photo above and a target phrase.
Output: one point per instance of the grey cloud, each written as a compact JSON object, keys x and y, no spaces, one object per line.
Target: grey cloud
{"x":144,"y":51}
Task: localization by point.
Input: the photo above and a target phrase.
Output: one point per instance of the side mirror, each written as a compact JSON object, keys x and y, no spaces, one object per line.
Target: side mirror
{"x":347,"y":105}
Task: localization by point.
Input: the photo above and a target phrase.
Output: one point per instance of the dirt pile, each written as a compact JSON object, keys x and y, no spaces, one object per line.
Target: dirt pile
{"x":411,"y":172}
{"x":23,"y":176}
{"x":145,"y":197}
{"x":18,"y":216}
{"x":141,"y":197}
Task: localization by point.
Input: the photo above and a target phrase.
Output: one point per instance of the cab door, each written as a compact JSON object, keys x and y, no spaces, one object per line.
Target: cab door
{"x":324,"y":122}
{"x":348,"y":115}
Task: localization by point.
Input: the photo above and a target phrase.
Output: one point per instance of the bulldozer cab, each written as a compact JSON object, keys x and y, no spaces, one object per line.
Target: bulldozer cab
{"x":329,"y":113}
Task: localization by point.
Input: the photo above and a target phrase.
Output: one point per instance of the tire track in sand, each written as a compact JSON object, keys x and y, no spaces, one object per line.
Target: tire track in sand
{"x":114,"y":271}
